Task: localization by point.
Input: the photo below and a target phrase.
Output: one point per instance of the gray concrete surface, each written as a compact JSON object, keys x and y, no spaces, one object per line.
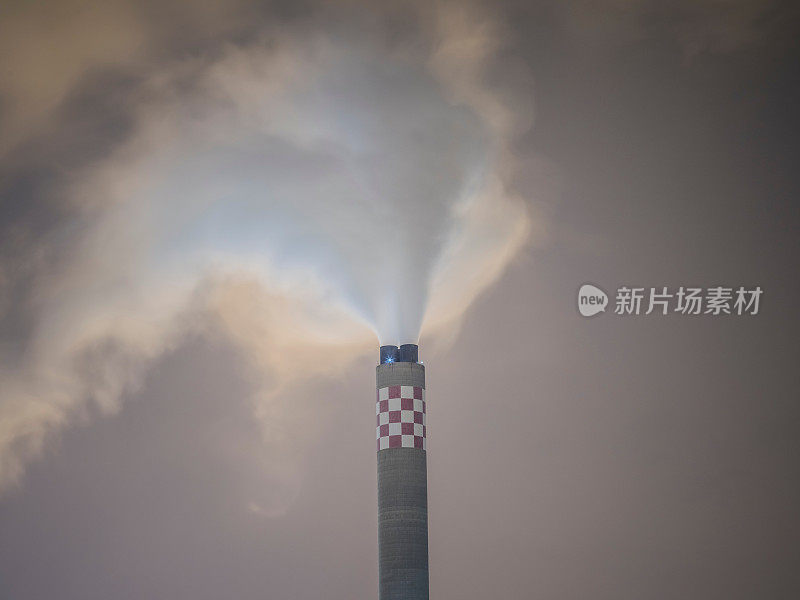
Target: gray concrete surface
{"x":402,"y":506}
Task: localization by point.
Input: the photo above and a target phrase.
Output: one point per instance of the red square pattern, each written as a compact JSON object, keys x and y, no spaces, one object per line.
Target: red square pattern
{"x":403,"y":428}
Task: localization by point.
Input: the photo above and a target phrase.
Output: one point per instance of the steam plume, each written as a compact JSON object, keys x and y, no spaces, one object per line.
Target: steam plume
{"x":293,"y":194}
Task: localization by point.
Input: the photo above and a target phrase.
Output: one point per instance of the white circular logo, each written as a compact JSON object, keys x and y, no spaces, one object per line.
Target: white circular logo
{"x":591,"y":300}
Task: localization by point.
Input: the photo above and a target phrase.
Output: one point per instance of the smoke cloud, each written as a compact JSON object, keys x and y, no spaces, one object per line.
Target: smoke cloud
{"x":301,"y":193}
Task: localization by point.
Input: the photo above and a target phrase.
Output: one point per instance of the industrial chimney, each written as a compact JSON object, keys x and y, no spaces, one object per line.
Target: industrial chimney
{"x":402,"y":475}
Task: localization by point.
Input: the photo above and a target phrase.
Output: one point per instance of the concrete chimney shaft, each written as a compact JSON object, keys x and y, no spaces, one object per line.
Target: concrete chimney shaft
{"x":402,"y":475}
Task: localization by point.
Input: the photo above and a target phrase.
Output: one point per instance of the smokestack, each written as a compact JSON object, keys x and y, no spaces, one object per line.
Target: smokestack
{"x":402,"y":475}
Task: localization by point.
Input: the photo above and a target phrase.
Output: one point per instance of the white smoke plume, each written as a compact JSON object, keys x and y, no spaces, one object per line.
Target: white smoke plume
{"x":305,"y":195}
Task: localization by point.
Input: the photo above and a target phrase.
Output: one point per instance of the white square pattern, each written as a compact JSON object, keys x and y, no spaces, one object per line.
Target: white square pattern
{"x":401,"y":417}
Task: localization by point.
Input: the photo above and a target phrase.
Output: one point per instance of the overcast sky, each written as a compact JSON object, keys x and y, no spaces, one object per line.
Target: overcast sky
{"x":179,"y":420}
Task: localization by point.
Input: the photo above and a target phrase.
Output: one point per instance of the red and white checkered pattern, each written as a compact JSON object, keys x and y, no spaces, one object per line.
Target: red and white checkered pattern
{"x":401,"y":416}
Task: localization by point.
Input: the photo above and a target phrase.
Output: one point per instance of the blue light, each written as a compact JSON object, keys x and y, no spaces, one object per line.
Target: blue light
{"x":390,"y":354}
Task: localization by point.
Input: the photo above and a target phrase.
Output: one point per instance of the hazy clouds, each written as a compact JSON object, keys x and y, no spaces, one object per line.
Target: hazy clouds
{"x":290,"y":191}
{"x":213,"y":210}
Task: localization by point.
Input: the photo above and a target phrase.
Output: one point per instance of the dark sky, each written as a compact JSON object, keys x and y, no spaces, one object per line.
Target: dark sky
{"x":613,"y":457}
